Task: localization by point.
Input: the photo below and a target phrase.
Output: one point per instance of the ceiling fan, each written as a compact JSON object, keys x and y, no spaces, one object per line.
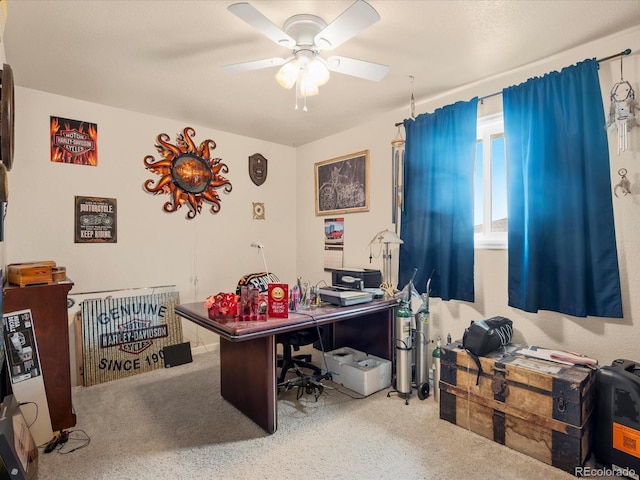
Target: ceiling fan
{"x":306,"y":36}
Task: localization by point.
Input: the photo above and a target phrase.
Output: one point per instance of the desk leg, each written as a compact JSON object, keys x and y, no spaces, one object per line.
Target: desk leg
{"x":248,"y":379}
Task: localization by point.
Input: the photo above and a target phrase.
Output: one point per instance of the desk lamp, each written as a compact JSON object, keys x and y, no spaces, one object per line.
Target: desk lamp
{"x":260,"y":247}
{"x":386,"y":238}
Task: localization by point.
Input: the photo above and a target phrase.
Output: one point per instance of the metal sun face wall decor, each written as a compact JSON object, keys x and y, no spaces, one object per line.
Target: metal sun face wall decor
{"x":188,"y":173}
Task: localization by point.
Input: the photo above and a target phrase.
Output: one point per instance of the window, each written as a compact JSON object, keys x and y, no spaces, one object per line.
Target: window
{"x":490,"y":185}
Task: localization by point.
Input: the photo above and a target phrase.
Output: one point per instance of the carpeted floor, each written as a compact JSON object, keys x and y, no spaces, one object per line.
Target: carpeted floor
{"x":173,"y":424}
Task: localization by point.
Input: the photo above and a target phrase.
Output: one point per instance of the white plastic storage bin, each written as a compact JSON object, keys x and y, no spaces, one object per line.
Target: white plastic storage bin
{"x":357,"y":371}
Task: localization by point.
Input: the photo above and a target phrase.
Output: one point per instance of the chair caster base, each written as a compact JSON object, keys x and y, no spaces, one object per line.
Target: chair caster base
{"x":309,"y":384}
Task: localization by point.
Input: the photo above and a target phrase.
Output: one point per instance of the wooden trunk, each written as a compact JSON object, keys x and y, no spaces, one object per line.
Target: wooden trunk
{"x":539,"y":408}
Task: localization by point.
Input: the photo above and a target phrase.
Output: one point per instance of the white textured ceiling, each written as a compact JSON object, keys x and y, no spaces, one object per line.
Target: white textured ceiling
{"x":163,"y":57}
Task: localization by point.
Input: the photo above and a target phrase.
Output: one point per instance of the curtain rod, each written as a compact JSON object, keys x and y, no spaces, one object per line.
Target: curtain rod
{"x":616,"y":55}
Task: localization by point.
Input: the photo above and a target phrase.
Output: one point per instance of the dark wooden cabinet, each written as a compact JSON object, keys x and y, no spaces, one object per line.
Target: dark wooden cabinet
{"x":48,"y":305}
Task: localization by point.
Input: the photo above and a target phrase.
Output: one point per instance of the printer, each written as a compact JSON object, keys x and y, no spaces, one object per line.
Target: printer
{"x":356,"y":278}
{"x":344,"y":297}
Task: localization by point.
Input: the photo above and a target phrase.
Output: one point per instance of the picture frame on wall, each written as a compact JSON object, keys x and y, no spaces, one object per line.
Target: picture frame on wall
{"x":95,"y":220}
{"x":342,"y":184}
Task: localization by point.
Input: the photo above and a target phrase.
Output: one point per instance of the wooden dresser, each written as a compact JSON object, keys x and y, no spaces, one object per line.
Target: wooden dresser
{"x":48,"y":305}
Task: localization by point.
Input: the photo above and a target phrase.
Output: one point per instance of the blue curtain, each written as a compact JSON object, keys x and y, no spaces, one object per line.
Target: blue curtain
{"x":437,"y":220}
{"x":562,"y":245}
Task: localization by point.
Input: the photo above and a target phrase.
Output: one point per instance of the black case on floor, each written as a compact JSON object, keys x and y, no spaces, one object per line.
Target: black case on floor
{"x":177,"y":354}
{"x":617,"y":438}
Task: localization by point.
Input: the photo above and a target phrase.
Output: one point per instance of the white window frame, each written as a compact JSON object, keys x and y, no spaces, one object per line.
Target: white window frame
{"x":489,"y":126}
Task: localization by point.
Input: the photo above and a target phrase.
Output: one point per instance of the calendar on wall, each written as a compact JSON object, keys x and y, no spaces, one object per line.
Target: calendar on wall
{"x":332,"y":258}
{"x":333,"y":243}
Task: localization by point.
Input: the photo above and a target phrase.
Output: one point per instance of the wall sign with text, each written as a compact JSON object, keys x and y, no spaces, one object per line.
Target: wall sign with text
{"x":74,"y":141}
{"x":95,"y":220}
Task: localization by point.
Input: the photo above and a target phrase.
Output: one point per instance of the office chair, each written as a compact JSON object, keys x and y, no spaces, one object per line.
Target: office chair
{"x":291,"y":342}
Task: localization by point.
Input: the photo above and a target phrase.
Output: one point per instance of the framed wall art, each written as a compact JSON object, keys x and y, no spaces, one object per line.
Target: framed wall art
{"x":342,"y":184}
{"x":74,"y":141}
{"x":95,"y":220}
{"x":258,"y":168}
{"x":258,"y":211}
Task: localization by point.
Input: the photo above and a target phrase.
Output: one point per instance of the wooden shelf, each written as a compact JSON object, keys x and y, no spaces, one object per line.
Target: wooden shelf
{"x":48,"y":305}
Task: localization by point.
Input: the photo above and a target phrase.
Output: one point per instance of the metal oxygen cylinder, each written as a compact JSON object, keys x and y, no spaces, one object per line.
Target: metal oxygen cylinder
{"x":403,"y":346}
{"x":436,"y":371}
{"x":421,"y":342}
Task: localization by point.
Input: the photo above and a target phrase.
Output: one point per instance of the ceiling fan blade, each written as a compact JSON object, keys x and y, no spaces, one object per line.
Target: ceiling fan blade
{"x":256,"y":64}
{"x":352,"y":21}
{"x":257,"y":20}
{"x":357,"y":68}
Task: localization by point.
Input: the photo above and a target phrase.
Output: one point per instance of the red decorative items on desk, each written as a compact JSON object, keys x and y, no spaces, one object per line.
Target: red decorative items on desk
{"x":253,"y":304}
{"x":222,"y":305}
{"x":250,"y":305}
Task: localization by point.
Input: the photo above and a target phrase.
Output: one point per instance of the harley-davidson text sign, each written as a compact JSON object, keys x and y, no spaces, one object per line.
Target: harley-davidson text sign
{"x":73,"y":141}
{"x":125,"y":336}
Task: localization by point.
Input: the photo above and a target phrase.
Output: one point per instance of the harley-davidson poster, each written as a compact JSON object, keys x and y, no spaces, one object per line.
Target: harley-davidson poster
{"x":74,"y":141}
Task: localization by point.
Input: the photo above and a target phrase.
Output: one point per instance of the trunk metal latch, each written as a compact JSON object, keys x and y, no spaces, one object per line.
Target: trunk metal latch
{"x":499,"y":385}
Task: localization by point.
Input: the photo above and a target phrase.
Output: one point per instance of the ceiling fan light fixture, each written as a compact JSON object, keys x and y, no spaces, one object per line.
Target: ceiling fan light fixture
{"x":306,"y":86}
{"x":318,"y":72}
{"x":288,"y":74}
{"x":307,"y":35}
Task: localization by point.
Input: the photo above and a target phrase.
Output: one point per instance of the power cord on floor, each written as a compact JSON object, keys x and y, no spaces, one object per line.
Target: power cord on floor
{"x":317,"y":325}
{"x":36,"y":412}
{"x":347,"y":394}
{"x":76,"y":440}
{"x":67,"y":441}
{"x":324,"y":358}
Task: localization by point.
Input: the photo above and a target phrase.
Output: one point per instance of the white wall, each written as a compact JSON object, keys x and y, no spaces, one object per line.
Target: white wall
{"x":202,"y":256}
{"x":601,"y":338}
{"x":208,"y":254}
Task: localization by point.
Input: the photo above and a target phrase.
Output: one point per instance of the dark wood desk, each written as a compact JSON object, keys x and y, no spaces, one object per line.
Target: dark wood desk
{"x":248,"y":349}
